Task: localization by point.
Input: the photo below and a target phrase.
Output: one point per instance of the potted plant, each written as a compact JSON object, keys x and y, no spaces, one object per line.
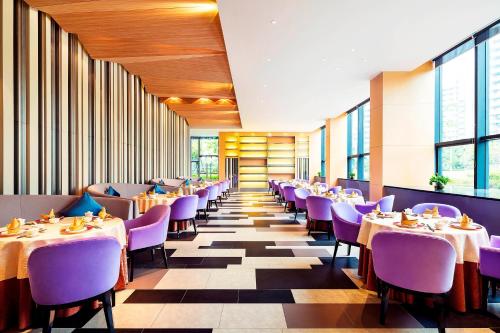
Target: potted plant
{"x":317,"y":178}
{"x":439,"y":181}
{"x":352,"y":175}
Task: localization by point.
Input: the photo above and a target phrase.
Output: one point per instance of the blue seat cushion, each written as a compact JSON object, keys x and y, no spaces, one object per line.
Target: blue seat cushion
{"x":84,"y":204}
{"x":158,"y":190}
{"x":111,"y":191}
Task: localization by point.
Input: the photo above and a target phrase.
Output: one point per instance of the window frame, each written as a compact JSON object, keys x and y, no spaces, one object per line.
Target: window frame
{"x":200,"y":155}
{"x":479,"y":42}
{"x":323,"y":152}
{"x":362,"y":154}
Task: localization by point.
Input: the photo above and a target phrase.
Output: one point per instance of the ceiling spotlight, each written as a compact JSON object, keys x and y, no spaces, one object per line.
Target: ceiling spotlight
{"x":365,"y":60}
{"x":273,"y":22}
{"x":337,"y":68}
{"x":265,"y":85}
{"x":353,"y":50}
{"x":324,"y":59}
{"x":268,"y":59}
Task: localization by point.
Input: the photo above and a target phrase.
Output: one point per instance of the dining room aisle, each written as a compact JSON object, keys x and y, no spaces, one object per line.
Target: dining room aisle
{"x":252,"y":268}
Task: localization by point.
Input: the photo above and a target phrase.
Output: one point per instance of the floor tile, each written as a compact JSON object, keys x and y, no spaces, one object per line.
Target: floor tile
{"x":188,"y":316}
{"x":156,"y":296}
{"x":232,"y":279}
{"x":265,"y":296}
{"x":211,"y":296}
{"x":184,"y":279}
{"x":128,"y":316}
{"x":252,"y":316}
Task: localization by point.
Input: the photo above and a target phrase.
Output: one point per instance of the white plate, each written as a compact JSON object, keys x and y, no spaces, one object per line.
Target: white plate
{"x":6,"y":234}
{"x":67,"y":230}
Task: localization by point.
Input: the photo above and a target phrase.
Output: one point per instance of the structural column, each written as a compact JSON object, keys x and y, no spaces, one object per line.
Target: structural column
{"x":401,"y":129}
{"x":336,"y":149}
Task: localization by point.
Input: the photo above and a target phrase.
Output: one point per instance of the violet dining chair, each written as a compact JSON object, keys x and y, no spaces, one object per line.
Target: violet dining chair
{"x":385,"y":203}
{"x":220,"y":189}
{"x":184,"y":209}
{"x":213,"y":190}
{"x":351,"y":190}
{"x":415,"y":263}
{"x":147,"y":232}
{"x":489,"y":267}
{"x":318,"y":210}
{"x":72,"y":273}
{"x":227,"y":186}
{"x":275,"y":189}
{"x":289,"y":197}
{"x":270,"y":185}
{"x":301,"y":195}
{"x":335,"y":189}
{"x":346,"y":224}
{"x":444,"y":210}
{"x":202,"y":202}
{"x":281,"y":186}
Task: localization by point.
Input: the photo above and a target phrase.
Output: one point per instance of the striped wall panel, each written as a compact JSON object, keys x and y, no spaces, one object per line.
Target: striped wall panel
{"x":68,"y":121}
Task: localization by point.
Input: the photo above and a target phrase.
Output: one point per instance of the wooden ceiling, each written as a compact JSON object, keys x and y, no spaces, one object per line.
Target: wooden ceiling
{"x":175,"y":46}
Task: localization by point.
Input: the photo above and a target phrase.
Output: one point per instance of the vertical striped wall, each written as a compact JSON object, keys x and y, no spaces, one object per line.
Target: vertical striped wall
{"x":68,"y":121}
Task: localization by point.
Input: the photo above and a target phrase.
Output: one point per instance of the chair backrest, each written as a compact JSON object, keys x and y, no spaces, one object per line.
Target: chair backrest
{"x":213,"y":190}
{"x":202,"y":198}
{"x":220,"y":188}
{"x":414,"y":261}
{"x":335,"y":189}
{"x":495,"y":241}
{"x":300,"y":197}
{"x":289,"y":193}
{"x":270,"y":183}
{"x":156,"y":219}
{"x":444,"y":210}
{"x":318,"y":208}
{"x":386,"y":203}
{"x":350,"y":190}
{"x":184,"y":208}
{"x":346,"y":222}
{"x":73,"y":270}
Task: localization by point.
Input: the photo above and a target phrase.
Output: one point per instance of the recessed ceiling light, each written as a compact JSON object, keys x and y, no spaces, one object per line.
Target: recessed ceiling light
{"x":353,"y":50}
{"x":268,"y":59}
{"x":265,"y":85}
{"x":365,"y":60}
{"x":324,"y":59}
{"x":273,"y":22}
{"x":337,"y":68}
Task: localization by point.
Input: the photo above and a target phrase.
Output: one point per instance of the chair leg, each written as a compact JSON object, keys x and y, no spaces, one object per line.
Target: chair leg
{"x":113,"y":297}
{"x":310,"y":227}
{"x":152,"y":254}
{"x":286,"y":204}
{"x":194,"y":226}
{"x":349,"y":250}
{"x":440,"y":305}
{"x":206,"y":216}
{"x":384,"y":291}
{"x":216,"y":206}
{"x":484,"y":293}
{"x":108,"y":311}
{"x":49,"y":320}
{"x":329,"y":231}
{"x":335,"y":252}
{"x":295,"y":219}
{"x":131,"y":272}
{"x":164,"y":255}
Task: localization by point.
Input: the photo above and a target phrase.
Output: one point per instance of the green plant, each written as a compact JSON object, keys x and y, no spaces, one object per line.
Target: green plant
{"x":439,"y":181}
{"x":319,"y":174}
{"x":352,"y":175}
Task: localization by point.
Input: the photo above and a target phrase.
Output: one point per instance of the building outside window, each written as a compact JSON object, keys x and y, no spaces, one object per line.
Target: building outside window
{"x":358,"y":142}
{"x":468,"y":112}
{"x":205,"y":157}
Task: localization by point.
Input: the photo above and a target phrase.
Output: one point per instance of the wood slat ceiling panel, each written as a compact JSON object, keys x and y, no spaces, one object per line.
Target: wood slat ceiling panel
{"x":175,"y":46}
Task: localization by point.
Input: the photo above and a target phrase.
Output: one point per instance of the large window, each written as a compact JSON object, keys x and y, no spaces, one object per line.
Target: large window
{"x":468,"y":112}
{"x":323,"y":152}
{"x":205,"y":157}
{"x":358,"y":142}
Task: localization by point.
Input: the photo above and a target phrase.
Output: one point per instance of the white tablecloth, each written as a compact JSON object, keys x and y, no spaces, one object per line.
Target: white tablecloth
{"x":145,"y":203}
{"x":14,"y":252}
{"x":465,"y":242}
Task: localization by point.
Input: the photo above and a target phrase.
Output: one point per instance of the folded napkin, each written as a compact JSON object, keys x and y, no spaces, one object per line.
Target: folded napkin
{"x":435,"y":211}
{"x":48,"y":216}
{"x":77,"y":224}
{"x":103,"y":213}
{"x":143,"y":194}
{"x":14,"y":226}
{"x":353,"y":195}
{"x":405,"y":221}
{"x":466,"y":221}
{"x":377,"y":209}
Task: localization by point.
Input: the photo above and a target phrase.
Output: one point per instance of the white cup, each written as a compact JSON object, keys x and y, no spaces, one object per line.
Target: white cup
{"x":408,"y":211}
{"x":89,"y":214}
{"x":21,"y":221}
{"x":440,"y":224}
{"x":54,"y":220}
{"x":87,"y":218}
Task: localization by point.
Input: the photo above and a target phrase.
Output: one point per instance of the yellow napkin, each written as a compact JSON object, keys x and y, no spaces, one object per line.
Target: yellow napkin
{"x":14,"y":226}
{"x":377,"y":209}
{"x":466,"y":221}
{"x":143,"y":194}
{"x":152,"y":192}
{"x":48,"y":216}
{"x":407,"y":222}
{"x":77,"y":224}
{"x":103,"y":214}
{"x":427,"y":211}
{"x":435,"y":212}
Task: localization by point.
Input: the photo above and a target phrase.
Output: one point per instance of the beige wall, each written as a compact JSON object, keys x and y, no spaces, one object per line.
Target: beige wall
{"x":314,"y":153}
{"x":336,"y":149}
{"x":402,"y":129}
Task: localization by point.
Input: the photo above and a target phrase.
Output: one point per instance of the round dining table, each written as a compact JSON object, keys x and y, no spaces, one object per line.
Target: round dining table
{"x":16,"y":305}
{"x":465,"y":292}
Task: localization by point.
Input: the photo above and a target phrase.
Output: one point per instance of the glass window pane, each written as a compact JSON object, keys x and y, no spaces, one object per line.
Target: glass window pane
{"x":195,"y":154}
{"x":209,"y":146}
{"x":353,"y":168}
{"x":494,"y":164}
{"x":493,"y":76}
{"x":366,"y":127}
{"x":457,"y":163}
{"x":194,"y":170}
{"x":366,"y":167}
{"x":354,"y":132}
{"x":457,"y":97}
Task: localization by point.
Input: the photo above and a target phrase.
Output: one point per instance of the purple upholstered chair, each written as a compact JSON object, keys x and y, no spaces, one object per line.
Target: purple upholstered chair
{"x":276,"y":188}
{"x":225,"y":188}
{"x":444,"y":210}
{"x":351,"y":190}
{"x":202,"y":202}
{"x":147,"y":232}
{"x":301,"y":195}
{"x":289,"y":196}
{"x":335,"y":189}
{"x":346,"y":224}
{"x":74,"y":272}
{"x":489,"y":266}
{"x":184,"y":209}
{"x":385,"y":203}
{"x":281,"y":186}
{"x":318,"y":209}
{"x":270,"y":185}
{"x":220,"y":189}
{"x":415,"y":263}
{"x":213,"y":190}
